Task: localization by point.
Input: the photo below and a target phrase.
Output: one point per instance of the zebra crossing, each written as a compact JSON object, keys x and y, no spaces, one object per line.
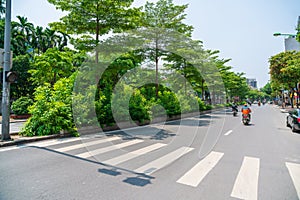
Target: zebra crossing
{"x":194,"y":176}
{"x":246,"y":184}
{"x":244,"y":187}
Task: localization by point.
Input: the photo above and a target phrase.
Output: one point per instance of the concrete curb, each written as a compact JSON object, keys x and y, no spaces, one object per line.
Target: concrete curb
{"x":23,"y":140}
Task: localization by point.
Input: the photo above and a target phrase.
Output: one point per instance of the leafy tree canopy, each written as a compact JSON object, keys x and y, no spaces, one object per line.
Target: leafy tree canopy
{"x":94,"y":17}
{"x":285,"y":70}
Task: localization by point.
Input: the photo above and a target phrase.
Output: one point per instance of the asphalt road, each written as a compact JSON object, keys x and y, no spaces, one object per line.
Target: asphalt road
{"x":209,"y":157}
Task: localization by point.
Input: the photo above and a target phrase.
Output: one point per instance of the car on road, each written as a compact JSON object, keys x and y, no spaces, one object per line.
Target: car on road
{"x":293,"y":120}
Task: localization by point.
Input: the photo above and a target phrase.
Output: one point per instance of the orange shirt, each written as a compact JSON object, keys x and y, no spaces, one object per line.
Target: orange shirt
{"x":246,"y":111}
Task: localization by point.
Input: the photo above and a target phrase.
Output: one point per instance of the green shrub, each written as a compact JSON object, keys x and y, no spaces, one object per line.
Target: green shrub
{"x":202,"y":105}
{"x":139,"y":107}
{"x":52,"y":111}
{"x":20,"y":106}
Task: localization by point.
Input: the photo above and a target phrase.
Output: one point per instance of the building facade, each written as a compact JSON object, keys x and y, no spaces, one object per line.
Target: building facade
{"x":252,"y":82}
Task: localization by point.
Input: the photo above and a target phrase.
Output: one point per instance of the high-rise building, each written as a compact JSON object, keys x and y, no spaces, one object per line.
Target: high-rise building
{"x":252,"y":82}
{"x":290,"y":43}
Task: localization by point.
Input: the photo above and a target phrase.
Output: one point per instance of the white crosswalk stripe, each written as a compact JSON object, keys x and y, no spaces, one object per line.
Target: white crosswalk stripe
{"x":294,"y":170}
{"x":133,"y":154}
{"x":163,"y":161}
{"x":194,"y":176}
{"x":41,"y":143}
{"x":53,"y":142}
{"x":86,"y":144}
{"x":107,"y":149}
{"x":246,"y":183}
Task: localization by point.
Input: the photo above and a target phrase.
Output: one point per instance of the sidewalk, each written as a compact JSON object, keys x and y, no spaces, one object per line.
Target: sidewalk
{"x":286,"y":109}
{"x":11,"y":120}
{"x":15,"y":127}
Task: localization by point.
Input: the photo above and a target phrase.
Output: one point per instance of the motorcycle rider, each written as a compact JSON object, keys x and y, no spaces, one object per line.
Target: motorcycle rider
{"x":234,"y":108}
{"x":246,"y":110}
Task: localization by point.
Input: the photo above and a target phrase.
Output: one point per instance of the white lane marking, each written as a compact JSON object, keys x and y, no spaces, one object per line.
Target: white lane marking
{"x":10,"y":148}
{"x":53,"y":142}
{"x":294,"y":170}
{"x":195,"y":175}
{"x":163,"y":161}
{"x":228,"y":133}
{"x":41,"y":144}
{"x":86,"y":144}
{"x":107,"y":149}
{"x":133,"y":154}
{"x":246,"y":183}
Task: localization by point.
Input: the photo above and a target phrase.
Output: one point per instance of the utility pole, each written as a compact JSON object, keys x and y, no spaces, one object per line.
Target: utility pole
{"x":6,"y":68}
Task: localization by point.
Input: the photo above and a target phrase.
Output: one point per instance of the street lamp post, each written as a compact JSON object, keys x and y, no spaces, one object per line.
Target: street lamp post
{"x":6,"y":68}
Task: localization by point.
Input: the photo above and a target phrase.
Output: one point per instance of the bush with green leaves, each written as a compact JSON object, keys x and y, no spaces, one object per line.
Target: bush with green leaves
{"x":166,"y":98}
{"x":20,"y":106}
{"x":52,"y":110}
{"x":139,"y":107}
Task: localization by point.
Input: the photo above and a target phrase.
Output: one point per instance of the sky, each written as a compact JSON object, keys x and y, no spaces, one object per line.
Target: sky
{"x":242,"y":30}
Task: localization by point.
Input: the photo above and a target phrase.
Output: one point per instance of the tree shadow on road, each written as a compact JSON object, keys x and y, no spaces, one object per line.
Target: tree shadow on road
{"x":138,"y":179}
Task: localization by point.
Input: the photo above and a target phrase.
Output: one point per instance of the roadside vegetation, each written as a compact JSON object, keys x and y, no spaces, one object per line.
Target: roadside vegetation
{"x":48,"y":60}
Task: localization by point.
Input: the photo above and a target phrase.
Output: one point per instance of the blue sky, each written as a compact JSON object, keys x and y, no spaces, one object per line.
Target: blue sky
{"x":241,"y":29}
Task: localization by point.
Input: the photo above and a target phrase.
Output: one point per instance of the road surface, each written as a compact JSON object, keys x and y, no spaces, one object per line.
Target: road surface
{"x":210,"y":157}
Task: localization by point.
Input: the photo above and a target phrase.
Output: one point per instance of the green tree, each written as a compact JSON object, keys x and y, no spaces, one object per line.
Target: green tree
{"x":52,"y":66}
{"x":162,"y":16}
{"x":267,"y":89}
{"x":285,"y":72}
{"x":2,"y":8}
{"x":96,"y":18}
{"x":235,"y":84}
{"x":255,"y":94}
{"x":22,"y":34}
{"x":40,"y":40}
{"x":24,"y":86}
{"x":191,"y":50}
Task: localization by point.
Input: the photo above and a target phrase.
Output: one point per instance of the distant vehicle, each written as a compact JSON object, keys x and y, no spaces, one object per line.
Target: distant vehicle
{"x":293,"y":120}
{"x":234,"y":110}
{"x":246,"y":119}
{"x":255,"y":102}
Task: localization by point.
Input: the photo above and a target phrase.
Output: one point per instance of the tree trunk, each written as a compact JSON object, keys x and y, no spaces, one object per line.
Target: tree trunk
{"x":97,"y":38}
{"x":202,"y":89}
{"x":156,"y":67}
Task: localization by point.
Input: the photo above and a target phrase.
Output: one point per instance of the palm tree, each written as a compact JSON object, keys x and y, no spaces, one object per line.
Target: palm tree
{"x":56,"y":39}
{"x":23,"y":34}
{"x":23,"y":26}
{"x":40,"y":39}
{"x":63,"y":41}
{"x":2,"y":8}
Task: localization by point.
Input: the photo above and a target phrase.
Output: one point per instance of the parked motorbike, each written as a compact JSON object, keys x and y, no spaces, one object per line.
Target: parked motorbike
{"x":246,"y":119}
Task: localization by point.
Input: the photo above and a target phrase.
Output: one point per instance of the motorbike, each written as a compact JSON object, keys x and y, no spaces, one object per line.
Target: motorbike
{"x":234,"y":113}
{"x":234,"y":110}
{"x":246,"y":119}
